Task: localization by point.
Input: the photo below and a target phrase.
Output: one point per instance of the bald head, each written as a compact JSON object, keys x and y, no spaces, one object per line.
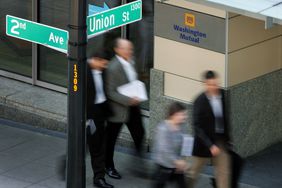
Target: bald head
{"x":124,"y":48}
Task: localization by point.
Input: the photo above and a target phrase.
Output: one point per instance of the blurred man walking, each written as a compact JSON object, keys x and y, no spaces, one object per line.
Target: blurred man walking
{"x":125,"y":110}
{"x":211,"y":133}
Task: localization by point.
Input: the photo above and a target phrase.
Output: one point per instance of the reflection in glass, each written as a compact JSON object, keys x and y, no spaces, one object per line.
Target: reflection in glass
{"x":142,"y":35}
{"x":104,"y":40}
{"x":53,"y":65}
{"x":15,"y":54}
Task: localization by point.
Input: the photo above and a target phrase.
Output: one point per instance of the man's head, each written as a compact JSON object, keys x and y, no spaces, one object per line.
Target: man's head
{"x":98,"y":60}
{"x":123,"y":48}
{"x":211,"y":82}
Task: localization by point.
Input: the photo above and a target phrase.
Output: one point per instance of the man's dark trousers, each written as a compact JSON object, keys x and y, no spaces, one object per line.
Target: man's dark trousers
{"x":96,"y":144}
{"x":135,"y":128}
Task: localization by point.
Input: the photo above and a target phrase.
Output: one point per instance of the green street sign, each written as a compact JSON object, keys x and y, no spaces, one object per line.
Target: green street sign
{"x":38,"y":33}
{"x":113,"y":18}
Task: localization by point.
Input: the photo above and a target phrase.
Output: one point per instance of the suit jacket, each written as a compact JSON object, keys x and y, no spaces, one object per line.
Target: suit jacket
{"x":94,"y":111}
{"x":119,"y":104}
{"x":204,"y":126}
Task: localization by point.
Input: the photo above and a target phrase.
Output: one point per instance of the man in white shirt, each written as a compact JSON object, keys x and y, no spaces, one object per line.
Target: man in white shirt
{"x":98,"y":111}
{"x":125,"y":110}
{"x":128,"y":67}
{"x":211,"y":133}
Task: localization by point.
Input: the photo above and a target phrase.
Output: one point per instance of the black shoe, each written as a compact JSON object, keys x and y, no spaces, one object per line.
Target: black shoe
{"x":61,"y":167}
{"x":213,"y":182}
{"x":101,"y":182}
{"x":113,"y":173}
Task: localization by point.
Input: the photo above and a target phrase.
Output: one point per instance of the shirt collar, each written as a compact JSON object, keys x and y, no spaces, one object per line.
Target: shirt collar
{"x":123,"y":61}
{"x":97,"y":71}
{"x":217,"y":97}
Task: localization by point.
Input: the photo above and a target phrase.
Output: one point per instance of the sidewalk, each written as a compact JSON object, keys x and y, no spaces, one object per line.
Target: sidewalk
{"x":28,"y":160}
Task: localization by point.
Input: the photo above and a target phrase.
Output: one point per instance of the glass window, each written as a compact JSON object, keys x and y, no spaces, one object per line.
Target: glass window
{"x":53,"y":65}
{"x":142,"y":35}
{"x":15,"y":54}
{"x":104,"y":40}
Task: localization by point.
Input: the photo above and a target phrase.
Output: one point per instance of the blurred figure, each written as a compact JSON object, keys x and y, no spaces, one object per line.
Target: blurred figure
{"x":211,"y":133}
{"x":237,"y":164}
{"x":98,"y":111}
{"x":167,"y":148}
{"x":61,"y":166}
{"x":126,"y":110}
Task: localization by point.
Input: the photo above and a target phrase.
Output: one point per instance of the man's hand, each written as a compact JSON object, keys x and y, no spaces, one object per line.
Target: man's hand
{"x":180,"y":165}
{"x":215,"y":151}
{"x":134,"y":101}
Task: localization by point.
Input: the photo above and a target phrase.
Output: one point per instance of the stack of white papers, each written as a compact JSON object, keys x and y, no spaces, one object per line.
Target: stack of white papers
{"x":91,"y":124}
{"x":134,"y":89}
{"x":188,"y":144}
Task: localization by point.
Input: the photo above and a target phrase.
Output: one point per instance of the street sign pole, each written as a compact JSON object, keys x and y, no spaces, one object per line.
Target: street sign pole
{"x":76,"y":95}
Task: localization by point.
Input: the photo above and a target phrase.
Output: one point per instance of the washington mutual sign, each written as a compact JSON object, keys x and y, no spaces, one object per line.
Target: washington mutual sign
{"x":190,"y":27}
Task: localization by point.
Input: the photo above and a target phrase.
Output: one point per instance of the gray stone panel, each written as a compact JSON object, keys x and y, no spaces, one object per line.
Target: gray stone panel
{"x":256,"y":113}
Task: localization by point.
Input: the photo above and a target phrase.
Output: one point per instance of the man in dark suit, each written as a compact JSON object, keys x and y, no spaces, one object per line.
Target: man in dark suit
{"x":211,"y":133}
{"x":98,"y":112}
{"x":125,"y":110}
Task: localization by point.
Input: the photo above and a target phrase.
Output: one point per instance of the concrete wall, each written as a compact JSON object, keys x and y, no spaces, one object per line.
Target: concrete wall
{"x":185,"y":66}
{"x":254,"y":83}
{"x":252,"y":51}
{"x":256,"y":113}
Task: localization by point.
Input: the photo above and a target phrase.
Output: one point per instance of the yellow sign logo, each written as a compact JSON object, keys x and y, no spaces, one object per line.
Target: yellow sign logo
{"x":190,"y":20}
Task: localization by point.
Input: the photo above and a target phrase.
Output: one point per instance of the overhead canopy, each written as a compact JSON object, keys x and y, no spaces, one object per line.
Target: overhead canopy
{"x":270,"y":10}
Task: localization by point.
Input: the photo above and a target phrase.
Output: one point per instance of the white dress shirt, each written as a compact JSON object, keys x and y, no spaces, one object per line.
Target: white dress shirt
{"x":216,"y":104}
{"x":100,"y":94}
{"x":128,"y":68}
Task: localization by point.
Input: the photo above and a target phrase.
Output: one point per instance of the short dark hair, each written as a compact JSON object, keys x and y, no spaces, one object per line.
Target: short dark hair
{"x":209,"y":75}
{"x":100,"y":54}
{"x":174,"y":108}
